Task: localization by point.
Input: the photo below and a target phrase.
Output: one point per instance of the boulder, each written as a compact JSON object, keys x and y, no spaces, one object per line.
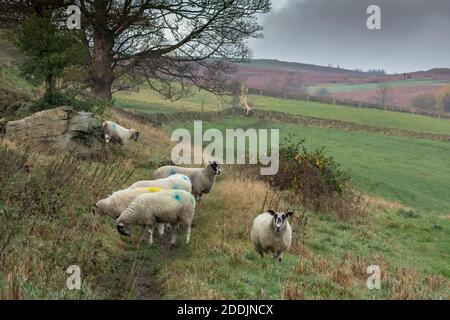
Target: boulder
{"x":60,"y":129}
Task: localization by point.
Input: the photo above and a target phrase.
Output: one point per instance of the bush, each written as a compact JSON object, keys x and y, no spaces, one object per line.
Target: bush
{"x":322,"y":92}
{"x":315,"y":180}
{"x":424,"y":101}
{"x":80,"y":103}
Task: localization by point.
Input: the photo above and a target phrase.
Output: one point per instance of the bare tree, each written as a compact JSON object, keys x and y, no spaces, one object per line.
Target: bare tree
{"x":383,"y":94}
{"x":163,"y":40}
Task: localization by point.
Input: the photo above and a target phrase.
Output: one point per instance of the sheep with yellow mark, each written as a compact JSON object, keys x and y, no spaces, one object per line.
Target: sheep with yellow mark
{"x":176,"y":182}
{"x":120,"y":200}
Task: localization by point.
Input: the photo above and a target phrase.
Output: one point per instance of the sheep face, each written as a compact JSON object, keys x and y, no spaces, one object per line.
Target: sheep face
{"x":94,"y":209}
{"x":123,"y":230}
{"x":279,"y":219}
{"x":134,"y":134}
{"x":214,"y":166}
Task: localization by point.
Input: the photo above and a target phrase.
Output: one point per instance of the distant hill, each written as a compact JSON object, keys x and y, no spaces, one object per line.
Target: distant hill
{"x":298,"y":67}
{"x":273,"y":74}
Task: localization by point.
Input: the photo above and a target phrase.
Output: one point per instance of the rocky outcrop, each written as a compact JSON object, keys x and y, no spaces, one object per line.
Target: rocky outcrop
{"x":60,"y":129}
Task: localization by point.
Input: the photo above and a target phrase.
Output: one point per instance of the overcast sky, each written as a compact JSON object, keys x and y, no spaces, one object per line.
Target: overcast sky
{"x":415,"y":34}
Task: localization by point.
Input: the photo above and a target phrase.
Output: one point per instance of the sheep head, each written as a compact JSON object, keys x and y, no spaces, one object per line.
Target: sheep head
{"x":279,"y":219}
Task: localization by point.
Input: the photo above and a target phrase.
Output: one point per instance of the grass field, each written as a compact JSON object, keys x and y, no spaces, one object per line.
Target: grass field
{"x":148,"y":101}
{"x":411,"y":171}
{"x":373,"y":117}
{"x":328,"y":259}
{"x":348,"y":87}
{"x":330,"y":263}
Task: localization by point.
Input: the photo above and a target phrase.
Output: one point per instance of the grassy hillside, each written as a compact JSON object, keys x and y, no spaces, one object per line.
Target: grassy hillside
{"x":8,"y":53}
{"x":148,"y":101}
{"x":327,"y":260}
{"x":344,"y":87}
{"x":373,"y":117}
{"x":411,"y":171}
{"x":46,"y":223}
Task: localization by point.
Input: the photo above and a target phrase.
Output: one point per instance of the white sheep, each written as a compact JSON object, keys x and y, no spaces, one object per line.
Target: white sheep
{"x":176,"y":181}
{"x":117,"y":202}
{"x":271,"y":232}
{"x":116,"y":133}
{"x":202,"y":179}
{"x":172,"y":207}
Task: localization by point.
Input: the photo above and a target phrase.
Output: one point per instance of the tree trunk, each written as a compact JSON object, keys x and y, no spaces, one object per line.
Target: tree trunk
{"x":102,"y":77}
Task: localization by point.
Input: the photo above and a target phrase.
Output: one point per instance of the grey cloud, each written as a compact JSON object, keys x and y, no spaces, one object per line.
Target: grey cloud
{"x":415,"y":34}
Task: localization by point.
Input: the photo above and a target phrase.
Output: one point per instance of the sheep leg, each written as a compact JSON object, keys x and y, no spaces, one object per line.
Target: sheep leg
{"x":188,"y":233}
{"x":278,"y":256}
{"x":174,"y":228}
{"x":150,"y":235}
{"x":161,"y":229}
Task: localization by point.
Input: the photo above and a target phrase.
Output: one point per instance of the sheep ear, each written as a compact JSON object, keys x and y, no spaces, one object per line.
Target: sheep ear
{"x":289,"y":213}
{"x":271,"y":212}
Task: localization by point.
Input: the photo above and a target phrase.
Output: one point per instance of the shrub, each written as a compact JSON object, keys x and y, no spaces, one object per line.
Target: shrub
{"x":443,"y":98}
{"x":322,"y":92}
{"x":424,"y":101}
{"x":80,"y":103}
{"x":315,"y":180}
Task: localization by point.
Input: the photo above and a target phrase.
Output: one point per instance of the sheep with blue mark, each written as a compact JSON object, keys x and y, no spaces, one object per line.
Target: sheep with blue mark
{"x":116,"y":133}
{"x":173,"y":207}
{"x":202,"y":179}
{"x":117,"y":202}
{"x":175,"y":181}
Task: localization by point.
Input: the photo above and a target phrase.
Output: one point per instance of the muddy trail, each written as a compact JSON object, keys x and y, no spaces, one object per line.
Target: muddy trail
{"x":135,"y":274}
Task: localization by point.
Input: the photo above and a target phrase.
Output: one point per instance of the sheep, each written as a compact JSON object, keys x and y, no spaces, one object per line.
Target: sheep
{"x":119,"y":201}
{"x":172,"y":207}
{"x":116,"y":133}
{"x":176,"y":181}
{"x":272,"y":232}
{"x":202,"y":179}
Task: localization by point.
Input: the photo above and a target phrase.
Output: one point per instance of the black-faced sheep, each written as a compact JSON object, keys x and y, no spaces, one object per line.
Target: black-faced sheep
{"x":202,"y":179}
{"x":271,"y":232}
{"x":116,"y":133}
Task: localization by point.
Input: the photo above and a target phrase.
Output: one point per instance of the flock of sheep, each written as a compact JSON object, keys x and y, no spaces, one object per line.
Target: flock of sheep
{"x":170,"y":199}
